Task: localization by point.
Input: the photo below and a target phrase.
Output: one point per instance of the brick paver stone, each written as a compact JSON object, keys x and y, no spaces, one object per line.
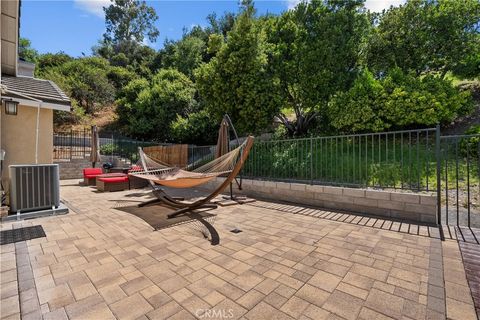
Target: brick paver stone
{"x":289,"y":262}
{"x":131,"y":307}
{"x":343,"y":305}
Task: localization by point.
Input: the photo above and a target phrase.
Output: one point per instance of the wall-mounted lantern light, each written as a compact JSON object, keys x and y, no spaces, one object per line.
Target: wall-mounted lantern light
{"x":11,"y":107}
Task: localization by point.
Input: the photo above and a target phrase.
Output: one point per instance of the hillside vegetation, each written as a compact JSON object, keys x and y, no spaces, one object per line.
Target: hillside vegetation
{"x":324,"y":67}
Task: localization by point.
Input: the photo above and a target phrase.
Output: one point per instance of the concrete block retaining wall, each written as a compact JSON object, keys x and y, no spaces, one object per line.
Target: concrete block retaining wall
{"x":73,"y":169}
{"x":400,"y":205}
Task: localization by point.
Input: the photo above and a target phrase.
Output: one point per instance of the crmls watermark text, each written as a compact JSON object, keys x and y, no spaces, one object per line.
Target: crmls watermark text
{"x":214,"y":313}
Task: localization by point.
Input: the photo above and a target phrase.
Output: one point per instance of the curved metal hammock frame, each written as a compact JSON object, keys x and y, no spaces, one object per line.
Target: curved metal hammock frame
{"x":229,"y":164}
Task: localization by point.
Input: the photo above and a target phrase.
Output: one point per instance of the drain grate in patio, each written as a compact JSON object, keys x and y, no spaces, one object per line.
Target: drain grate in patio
{"x":21,"y":234}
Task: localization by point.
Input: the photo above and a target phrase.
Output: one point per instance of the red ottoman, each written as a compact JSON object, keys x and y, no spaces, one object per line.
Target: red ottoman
{"x":90,"y":175}
{"x":112,"y":182}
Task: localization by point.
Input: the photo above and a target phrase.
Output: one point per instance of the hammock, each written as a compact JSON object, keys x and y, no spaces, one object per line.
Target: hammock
{"x":159,"y":173}
{"x":229,"y":164}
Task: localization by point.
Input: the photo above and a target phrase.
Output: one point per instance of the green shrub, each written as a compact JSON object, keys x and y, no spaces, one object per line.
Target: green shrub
{"x":361,"y":107}
{"x":197,"y":128}
{"x":107,"y":148}
{"x":471,"y":146}
{"x":146,"y":108}
{"x":422,"y":101}
{"x":397,"y":101}
{"x":120,"y":76}
{"x":280,"y":133}
{"x":85,"y":80}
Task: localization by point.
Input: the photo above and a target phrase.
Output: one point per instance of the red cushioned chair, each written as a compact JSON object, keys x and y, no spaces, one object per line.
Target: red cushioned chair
{"x":90,"y":175}
{"x":113,"y":182}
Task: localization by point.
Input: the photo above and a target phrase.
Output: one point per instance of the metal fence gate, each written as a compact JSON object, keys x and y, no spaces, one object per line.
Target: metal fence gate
{"x":458,"y":170}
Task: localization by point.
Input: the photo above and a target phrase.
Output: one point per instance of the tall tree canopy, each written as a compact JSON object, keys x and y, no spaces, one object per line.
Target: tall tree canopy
{"x":326,"y":66}
{"x":128,"y":24}
{"x":148,"y":107}
{"x":127,"y":54}
{"x":130,"y":20}
{"x":317,"y":48}
{"x":85,"y":80}
{"x":237,"y":80}
{"x":185,"y":55}
{"x":426,"y":36}
{"x":25,"y":50}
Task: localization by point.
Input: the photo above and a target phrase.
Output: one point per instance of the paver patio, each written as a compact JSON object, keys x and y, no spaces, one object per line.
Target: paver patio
{"x":98,"y":262}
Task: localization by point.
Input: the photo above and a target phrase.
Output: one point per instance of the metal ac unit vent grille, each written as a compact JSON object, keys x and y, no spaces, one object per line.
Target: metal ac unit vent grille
{"x":34,"y":187}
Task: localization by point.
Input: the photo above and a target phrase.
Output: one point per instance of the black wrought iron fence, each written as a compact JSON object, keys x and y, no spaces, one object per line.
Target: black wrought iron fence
{"x":72,"y":144}
{"x":200,"y":155}
{"x":77,"y":144}
{"x":115,"y":145}
{"x":415,"y":160}
{"x":399,"y":159}
{"x":459,"y":160}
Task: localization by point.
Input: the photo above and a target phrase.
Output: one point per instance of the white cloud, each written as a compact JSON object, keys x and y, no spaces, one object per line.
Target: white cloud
{"x":379,"y":5}
{"x":93,"y":6}
{"x":146,"y":42}
{"x":291,"y":4}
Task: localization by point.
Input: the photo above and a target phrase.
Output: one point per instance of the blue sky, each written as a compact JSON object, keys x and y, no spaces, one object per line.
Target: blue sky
{"x":75,"y":26}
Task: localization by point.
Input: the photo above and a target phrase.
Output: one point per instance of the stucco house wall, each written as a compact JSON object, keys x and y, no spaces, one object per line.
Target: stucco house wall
{"x":18,"y":137}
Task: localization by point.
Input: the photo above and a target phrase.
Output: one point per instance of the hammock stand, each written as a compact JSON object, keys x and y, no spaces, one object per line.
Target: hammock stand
{"x":190,"y":179}
{"x":223,"y":146}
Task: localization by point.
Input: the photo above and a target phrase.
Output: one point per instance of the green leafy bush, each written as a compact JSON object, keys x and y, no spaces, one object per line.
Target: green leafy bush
{"x":397,"y":101}
{"x":471,"y":146}
{"x":85,"y":80}
{"x":107,"y":148}
{"x":147,"y":108}
{"x":120,"y":76}
{"x":422,"y":101}
{"x":197,"y":128}
{"x":360,"y":108}
{"x":50,"y":60}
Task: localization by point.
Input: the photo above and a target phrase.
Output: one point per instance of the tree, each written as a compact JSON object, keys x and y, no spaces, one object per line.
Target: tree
{"x":50,"y":60}
{"x":196,"y":128}
{"x":128,"y":54}
{"x":221,"y":25}
{"x":120,"y":77}
{"x":128,"y":23}
{"x":148,"y":108}
{"x":184,"y":55}
{"x":237,"y":80}
{"x":426,"y":36}
{"x":130,"y":20}
{"x":316,"y":51}
{"x":25,"y":50}
{"x":127,"y":98}
{"x":85,"y":80}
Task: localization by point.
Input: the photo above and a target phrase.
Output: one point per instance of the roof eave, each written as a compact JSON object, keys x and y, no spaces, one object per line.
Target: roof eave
{"x":43,"y":104}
